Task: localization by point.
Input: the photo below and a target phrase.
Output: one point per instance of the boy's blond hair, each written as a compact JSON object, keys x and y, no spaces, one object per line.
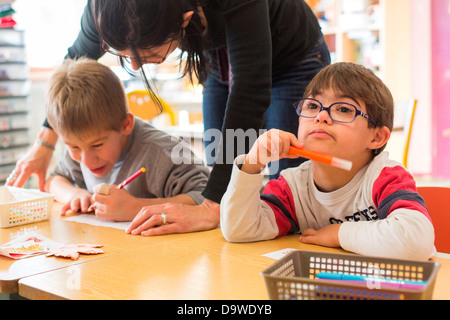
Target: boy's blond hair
{"x":357,"y":82}
{"x":84,"y":96}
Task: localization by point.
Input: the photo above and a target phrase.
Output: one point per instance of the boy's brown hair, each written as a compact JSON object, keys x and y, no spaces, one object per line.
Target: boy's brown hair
{"x":85,"y":96}
{"x":357,"y":82}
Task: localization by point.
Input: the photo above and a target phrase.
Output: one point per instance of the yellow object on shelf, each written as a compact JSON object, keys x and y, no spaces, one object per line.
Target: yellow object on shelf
{"x":143,"y":105}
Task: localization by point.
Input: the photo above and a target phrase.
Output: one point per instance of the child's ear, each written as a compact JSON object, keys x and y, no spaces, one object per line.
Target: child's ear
{"x":128,"y":124}
{"x":380,"y":138}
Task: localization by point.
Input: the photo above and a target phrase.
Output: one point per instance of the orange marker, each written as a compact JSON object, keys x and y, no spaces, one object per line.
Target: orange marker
{"x":324,"y":158}
{"x":123,"y":184}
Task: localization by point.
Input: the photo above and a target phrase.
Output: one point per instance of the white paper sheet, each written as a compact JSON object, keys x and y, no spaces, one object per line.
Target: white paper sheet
{"x":279,"y":254}
{"x":96,"y":221}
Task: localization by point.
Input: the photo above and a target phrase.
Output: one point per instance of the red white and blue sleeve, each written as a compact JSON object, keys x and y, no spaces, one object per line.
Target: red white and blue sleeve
{"x":278,"y":196}
{"x":244,"y":217}
{"x":404,"y":229}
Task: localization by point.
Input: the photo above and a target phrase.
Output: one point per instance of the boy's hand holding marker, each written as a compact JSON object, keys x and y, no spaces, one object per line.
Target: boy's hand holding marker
{"x":276,"y":144}
{"x":271,"y":146}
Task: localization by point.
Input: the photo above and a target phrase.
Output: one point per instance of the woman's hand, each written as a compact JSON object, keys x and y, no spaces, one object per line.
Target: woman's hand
{"x":180,"y":218}
{"x":36,"y":160}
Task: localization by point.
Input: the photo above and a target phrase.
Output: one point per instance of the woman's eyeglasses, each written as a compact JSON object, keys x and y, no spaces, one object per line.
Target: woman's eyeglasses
{"x":111,"y":50}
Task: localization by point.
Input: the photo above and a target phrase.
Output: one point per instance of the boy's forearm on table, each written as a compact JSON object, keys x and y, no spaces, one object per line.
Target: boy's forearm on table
{"x":61,"y":188}
{"x":404,"y":235}
{"x":180,"y":199}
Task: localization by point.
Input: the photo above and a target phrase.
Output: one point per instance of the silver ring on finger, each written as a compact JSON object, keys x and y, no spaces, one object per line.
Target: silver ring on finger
{"x":164,"y":219}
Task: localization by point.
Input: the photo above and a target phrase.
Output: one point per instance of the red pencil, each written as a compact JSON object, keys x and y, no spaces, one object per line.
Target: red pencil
{"x":131,"y":178}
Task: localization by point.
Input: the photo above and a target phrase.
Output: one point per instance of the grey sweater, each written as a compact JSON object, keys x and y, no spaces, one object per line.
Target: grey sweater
{"x":171,"y":166}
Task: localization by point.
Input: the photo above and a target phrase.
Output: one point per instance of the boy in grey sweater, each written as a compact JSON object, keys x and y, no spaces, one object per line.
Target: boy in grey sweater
{"x":86,"y":105}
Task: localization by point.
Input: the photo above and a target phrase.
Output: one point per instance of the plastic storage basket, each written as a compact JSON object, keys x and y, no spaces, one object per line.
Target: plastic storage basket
{"x":293,"y":277}
{"x":21,"y":206}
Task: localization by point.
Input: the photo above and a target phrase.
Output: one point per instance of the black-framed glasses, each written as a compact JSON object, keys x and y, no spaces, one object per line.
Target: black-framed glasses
{"x":107,"y":48}
{"x":339,"y":111}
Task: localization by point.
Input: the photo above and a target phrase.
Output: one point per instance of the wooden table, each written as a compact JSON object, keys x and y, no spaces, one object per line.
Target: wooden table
{"x":200,"y":265}
{"x":136,"y":261}
{"x":442,"y":285}
{"x":195,"y":266}
{"x":56,"y":228}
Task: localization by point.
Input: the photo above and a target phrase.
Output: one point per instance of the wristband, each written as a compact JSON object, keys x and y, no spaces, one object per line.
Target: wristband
{"x":46,"y":144}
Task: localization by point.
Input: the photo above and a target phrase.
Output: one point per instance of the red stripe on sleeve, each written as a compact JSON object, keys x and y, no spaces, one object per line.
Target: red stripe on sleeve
{"x":392,"y":179}
{"x":280,"y":189}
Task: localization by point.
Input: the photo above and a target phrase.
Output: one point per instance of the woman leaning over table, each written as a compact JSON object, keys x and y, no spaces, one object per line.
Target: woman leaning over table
{"x":254,"y":58}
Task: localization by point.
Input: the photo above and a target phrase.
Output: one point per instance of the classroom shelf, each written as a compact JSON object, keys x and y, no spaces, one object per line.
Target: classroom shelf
{"x":14,"y":90}
{"x":353,"y":30}
{"x":374,"y":33}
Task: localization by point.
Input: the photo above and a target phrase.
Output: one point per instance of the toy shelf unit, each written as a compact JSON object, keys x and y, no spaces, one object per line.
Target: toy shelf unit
{"x":14,"y":90}
{"x":353,"y":30}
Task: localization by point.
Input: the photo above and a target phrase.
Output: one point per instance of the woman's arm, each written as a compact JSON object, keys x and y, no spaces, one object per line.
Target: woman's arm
{"x":249,"y":44}
{"x":88,"y":42}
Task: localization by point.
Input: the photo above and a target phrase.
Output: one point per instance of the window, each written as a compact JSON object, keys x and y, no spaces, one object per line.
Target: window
{"x":51,"y":26}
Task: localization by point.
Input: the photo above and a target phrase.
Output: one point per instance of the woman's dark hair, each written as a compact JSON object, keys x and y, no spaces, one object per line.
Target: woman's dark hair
{"x":144,"y":24}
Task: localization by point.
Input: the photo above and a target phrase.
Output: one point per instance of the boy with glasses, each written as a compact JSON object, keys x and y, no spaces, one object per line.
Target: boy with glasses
{"x":105,"y":144}
{"x":373,"y":209}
